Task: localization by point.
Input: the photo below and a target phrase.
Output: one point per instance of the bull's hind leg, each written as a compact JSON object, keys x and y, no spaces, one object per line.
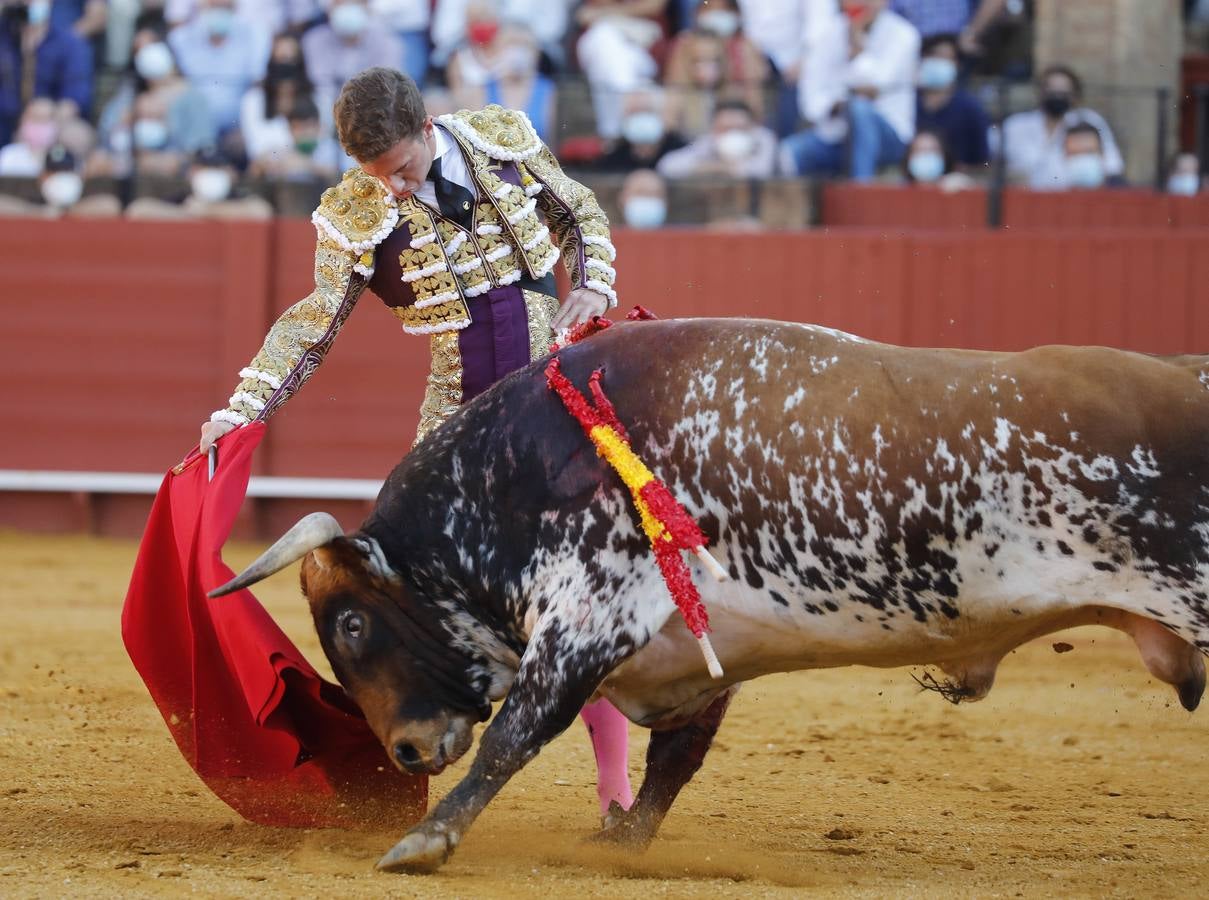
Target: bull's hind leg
{"x":672,"y":758}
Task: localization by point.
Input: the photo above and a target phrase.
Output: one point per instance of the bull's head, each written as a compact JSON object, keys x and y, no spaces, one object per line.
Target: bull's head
{"x":421,"y":691}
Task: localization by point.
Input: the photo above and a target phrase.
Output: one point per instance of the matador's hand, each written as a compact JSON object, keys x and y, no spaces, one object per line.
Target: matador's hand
{"x":211,"y":432}
{"x":581,"y":304}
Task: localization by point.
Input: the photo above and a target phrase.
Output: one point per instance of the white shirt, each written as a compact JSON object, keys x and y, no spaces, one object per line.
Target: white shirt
{"x":888,"y":63}
{"x":453,"y":167}
{"x":780,"y":28}
{"x":1038,"y":159}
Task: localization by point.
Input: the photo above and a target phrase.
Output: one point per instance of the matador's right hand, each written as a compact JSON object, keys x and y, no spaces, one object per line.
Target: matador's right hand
{"x":211,"y":432}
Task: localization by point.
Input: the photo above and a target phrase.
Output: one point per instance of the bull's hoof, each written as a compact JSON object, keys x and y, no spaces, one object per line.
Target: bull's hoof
{"x":624,"y":828}
{"x":424,"y":849}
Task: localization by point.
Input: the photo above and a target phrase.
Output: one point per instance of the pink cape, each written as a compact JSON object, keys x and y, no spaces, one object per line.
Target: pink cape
{"x":277,"y":743}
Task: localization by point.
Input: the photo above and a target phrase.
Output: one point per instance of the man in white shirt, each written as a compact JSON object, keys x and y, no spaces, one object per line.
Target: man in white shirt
{"x":857,"y":91}
{"x":782,"y":29}
{"x":1034,"y":142}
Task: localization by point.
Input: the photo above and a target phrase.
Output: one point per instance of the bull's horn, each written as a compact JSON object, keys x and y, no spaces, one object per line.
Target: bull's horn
{"x":310,"y":533}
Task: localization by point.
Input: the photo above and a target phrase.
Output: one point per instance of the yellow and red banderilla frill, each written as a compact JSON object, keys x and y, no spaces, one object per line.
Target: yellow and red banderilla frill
{"x":667,"y":524}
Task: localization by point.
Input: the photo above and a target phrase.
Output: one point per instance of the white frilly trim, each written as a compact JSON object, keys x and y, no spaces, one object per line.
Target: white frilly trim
{"x":468,"y":266}
{"x":417,"y":274}
{"x":458,"y":240}
{"x":597,"y":241}
{"x":534,"y":189}
{"x":502,"y":191}
{"x":511,"y":277}
{"x":388,"y":225}
{"x":495,"y":150}
{"x":499,"y":253}
{"x":457,"y":325}
{"x":250,"y":400}
{"x":481,"y":288}
{"x":489,"y":229}
{"x":525,"y":210}
{"x":437,"y":299}
{"x":229,"y":415}
{"x":542,"y":234}
{"x":424,"y":241}
{"x":601,"y":288}
{"x":271,"y":380}
{"x":543,"y":268}
{"x":367,"y":271}
{"x":602,"y":267}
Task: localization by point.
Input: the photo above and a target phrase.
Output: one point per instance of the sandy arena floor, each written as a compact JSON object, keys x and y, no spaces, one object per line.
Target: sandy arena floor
{"x":1078,"y":776}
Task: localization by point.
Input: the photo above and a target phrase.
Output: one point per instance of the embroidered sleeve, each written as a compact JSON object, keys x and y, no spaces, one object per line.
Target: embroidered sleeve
{"x":299,"y":339}
{"x":577,"y":224}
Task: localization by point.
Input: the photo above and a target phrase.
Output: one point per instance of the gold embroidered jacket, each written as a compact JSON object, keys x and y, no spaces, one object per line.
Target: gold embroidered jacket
{"x":441,"y":266}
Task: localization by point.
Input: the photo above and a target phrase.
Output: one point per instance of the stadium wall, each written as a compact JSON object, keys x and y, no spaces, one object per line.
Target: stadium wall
{"x":123,"y":336}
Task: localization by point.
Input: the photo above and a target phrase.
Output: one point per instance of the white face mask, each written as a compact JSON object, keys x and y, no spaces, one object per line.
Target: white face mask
{"x":937,"y":73}
{"x":642,"y":128}
{"x":150,"y":134}
{"x":62,"y":189}
{"x":154,"y":61}
{"x":1184,"y":184}
{"x":349,"y":19}
{"x":736,"y":144}
{"x":39,"y":11}
{"x":926,"y":166}
{"x":645,"y":212}
{"x":211,"y":185}
{"x":1085,"y":170}
{"x":722,"y":22}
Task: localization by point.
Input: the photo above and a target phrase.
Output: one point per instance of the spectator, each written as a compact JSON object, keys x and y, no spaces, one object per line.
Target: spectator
{"x":270,"y":17}
{"x":352,"y":40}
{"x":37,"y":132}
{"x":858,"y":93}
{"x":409,"y":20}
{"x":212,"y":195}
{"x":950,"y":110}
{"x":1184,"y":178}
{"x":188,"y":125}
{"x":714,"y":60}
{"x":781,"y":29}
{"x":61,"y":60}
{"x":222,"y":55}
{"x":737,"y":146}
{"x":499,"y":65}
{"x":615,"y":53}
{"x":643,"y":199}
{"x":62,"y":190}
{"x":310,"y":156}
{"x":1034,"y":141}
{"x":928,"y":162}
{"x":262,"y":111}
{"x":1086,"y":168}
{"x":546,"y":20}
{"x":644,"y":138}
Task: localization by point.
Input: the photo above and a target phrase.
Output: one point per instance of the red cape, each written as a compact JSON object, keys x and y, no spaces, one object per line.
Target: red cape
{"x":277,"y":743}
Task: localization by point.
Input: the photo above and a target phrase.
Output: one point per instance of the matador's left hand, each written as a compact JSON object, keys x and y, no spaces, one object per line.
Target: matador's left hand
{"x":581,"y":304}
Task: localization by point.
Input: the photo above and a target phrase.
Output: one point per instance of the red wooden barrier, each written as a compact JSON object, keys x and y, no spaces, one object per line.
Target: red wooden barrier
{"x":895,"y":208}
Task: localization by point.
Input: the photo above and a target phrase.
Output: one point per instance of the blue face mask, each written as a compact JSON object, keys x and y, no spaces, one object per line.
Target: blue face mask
{"x":218,"y":21}
{"x":349,"y":20}
{"x":926,"y":166}
{"x":1085,"y":170}
{"x":642,"y":128}
{"x":1184,"y":184}
{"x":39,"y":12}
{"x":645,"y":212}
{"x":937,"y":73}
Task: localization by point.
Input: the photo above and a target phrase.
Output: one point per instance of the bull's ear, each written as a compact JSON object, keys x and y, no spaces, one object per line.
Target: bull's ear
{"x":323,"y":557}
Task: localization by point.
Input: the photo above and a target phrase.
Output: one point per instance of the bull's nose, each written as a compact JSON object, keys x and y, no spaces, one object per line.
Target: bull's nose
{"x":411,"y":759}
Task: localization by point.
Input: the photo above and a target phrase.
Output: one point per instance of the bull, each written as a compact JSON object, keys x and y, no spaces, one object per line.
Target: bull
{"x":874,"y":505}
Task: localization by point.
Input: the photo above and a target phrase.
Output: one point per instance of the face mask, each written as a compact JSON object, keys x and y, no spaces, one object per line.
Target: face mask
{"x":218,"y":21}
{"x":211,"y":185}
{"x":926,"y":166}
{"x":1056,"y":105}
{"x":722,"y":22}
{"x":349,"y":20}
{"x":1085,"y":170}
{"x":154,"y":62}
{"x":1184,"y":184}
{"x":642,"y":128}
{"x":62,"y":189}
{"x":306,"y":146}
{"x":735,"y":144}
{"x":150,"y":134}
{"x":645,"y":212}
{"x":482,"y":33}
{"x":285,"y":71}
{"x":38,"y":135}
{"x":937,"y":73}
{"x":856,"y":11}
{"x":39,"y":12}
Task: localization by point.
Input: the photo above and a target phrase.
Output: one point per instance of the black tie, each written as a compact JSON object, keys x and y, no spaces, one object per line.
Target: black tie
{"x":455,"y":201}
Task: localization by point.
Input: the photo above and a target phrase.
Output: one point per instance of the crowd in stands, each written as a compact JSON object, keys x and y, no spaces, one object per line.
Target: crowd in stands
{"x":211,"y":96}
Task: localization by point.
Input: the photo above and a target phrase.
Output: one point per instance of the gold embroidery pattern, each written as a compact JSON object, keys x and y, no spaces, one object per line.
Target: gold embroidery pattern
{"x":448,"y":316}
{"x":298,"y":330}
{"x":357,"y":209}
{"x":443,"y":395}
{"x":540,"y":310}
{"x":496,"y":131}
{"x":571,"y":212}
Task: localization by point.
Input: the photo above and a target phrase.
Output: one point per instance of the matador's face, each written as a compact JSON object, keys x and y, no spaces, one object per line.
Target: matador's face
{"x":404,"y":167}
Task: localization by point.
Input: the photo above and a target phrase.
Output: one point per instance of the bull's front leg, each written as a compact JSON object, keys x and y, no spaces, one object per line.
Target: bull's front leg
{"x":673,"y":756}
{"x":561,"y":668}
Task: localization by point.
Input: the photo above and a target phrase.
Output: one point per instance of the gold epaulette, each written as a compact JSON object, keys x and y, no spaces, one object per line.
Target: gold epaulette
{"x":358,"y":213}
{"x":501,"y":133}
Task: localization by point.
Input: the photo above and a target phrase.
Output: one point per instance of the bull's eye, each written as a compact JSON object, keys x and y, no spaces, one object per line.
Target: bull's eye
{"x":353,"y":625}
